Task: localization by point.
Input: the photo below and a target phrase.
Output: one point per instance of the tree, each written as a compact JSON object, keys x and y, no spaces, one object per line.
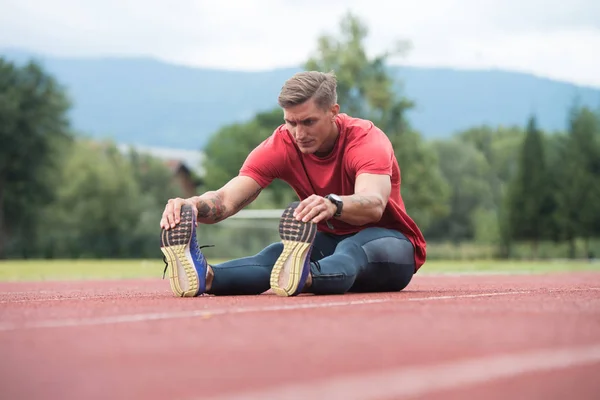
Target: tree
{"x":467,"y":171}
{"x":500,"y":147}
{"x":34,"y":132}
{"x":530,"y":202}
{"x":99,"y":208}
{"x":578,"y":194}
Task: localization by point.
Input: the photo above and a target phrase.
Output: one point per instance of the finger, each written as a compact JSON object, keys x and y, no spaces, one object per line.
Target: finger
{"x":177,"y":211}
{"x":323,"y":215}
{"x":314,"y":211}
{"x":302,"y":206}
{"x":324,"y":211}
{"x":309,"y":204}
{"x":171,"y":210}
{"x":164,"y":221}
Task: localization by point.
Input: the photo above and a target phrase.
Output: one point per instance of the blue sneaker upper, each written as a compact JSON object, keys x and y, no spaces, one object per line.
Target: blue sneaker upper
{"x":199,"y":261}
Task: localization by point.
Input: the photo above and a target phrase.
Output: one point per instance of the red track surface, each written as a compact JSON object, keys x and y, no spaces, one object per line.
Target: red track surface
{"x":134,"y":340}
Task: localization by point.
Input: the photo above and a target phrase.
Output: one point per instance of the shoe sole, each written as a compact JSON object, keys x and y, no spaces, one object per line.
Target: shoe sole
{"x":175,"y":246}
{"x":297,"y":238}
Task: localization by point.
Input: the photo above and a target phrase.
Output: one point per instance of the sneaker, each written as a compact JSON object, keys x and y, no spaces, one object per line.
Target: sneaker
{"x":291,"y":270}
{"x":183,"y":257}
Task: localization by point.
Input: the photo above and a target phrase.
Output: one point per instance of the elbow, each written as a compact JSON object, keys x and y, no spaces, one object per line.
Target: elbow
{"x":377,"y":213}
{"x":377,"y":210}
{"x":372,"y":216}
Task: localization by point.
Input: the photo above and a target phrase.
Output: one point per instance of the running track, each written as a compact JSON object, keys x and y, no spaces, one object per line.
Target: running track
{"x":444,"y":337}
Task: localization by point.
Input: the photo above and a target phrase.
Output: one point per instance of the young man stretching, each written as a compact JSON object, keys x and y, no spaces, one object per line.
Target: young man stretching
{"x":350,"y":231}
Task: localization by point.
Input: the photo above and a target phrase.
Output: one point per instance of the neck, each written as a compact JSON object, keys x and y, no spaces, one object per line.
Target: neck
{"x":329,"y":144}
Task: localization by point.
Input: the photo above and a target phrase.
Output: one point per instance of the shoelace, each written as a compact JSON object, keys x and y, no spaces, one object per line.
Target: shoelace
{"x":318,"y":265}
{"x":197,"y":250}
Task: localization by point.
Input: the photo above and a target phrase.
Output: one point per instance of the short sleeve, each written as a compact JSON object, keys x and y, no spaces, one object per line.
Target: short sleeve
{"x":265,"y":163}
{"x":372,"y":153}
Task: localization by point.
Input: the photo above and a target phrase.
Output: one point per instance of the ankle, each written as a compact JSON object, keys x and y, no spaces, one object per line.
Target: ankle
{"x":209,"y":277}
{"x":308,"y":283}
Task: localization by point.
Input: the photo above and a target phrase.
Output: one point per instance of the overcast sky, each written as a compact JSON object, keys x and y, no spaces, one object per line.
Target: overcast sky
{"x":553,"y":38}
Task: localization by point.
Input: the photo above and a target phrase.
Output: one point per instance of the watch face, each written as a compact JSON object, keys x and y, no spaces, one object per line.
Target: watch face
{"x":335,"y":197}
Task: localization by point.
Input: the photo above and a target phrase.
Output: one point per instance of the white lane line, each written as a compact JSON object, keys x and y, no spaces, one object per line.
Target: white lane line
{"x":423,"y":380}
{"x":117,"y":319}
{"x":87,"y":297}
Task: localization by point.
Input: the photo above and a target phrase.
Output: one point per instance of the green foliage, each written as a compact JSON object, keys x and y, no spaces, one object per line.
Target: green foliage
{"x":106,"y":204}
{"x":466,"y":170}
{"x":424,"y":190}
{"x":98,"y":205}
{"x":500,"y":148}
{"x":34,"y":132}
{"x":153,"y":177}
{"x":531,"y":204}
{"x":578,"y":178}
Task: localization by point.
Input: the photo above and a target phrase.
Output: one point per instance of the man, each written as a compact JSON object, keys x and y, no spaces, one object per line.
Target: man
{"x":348,"y":233}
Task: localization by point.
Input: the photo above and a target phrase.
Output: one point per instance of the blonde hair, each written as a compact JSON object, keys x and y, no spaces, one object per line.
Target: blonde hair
{"x":307,"y":85}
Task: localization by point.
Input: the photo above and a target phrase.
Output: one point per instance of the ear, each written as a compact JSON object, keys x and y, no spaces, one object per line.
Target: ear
{"x":335,"y":110}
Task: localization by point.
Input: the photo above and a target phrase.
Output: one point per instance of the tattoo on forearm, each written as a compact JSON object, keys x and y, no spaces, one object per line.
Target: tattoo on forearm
{"x":248,"y":199}
{"x":212,"y":208}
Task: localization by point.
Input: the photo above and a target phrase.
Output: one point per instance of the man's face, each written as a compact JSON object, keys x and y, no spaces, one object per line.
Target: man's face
{"x":311,"y":127}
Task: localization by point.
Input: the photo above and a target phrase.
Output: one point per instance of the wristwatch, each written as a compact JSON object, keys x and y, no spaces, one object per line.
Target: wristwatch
{"x":335,"y":199}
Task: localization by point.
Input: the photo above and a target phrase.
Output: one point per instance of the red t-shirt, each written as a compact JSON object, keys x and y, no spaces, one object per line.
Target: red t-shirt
{"x":361,"y":148}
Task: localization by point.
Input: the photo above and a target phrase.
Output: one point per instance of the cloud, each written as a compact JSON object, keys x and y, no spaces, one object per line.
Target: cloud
{"x":556,"y":39}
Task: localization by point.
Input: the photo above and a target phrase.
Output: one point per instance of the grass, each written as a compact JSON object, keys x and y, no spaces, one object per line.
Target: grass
{"x":509,"y":266}
{"x":40,"y":270}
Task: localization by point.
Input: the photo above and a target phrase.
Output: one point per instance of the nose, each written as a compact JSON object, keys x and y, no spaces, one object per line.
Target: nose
{"x":300,"y":132}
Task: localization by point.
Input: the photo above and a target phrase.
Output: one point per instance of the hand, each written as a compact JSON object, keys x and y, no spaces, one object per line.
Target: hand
{"x":315,"y":209}
{"x":171,"y":215}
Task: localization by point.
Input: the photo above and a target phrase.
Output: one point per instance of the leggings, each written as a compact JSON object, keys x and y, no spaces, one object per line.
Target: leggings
{"x":372,"y":260}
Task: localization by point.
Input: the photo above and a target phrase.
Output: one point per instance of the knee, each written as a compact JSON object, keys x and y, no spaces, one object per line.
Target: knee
{"x":394,"y":258}
{"x":401,"y":276}
{"x":389,"y":249}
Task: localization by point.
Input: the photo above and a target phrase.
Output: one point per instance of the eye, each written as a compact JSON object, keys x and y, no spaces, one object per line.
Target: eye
{"x":308,"y":122}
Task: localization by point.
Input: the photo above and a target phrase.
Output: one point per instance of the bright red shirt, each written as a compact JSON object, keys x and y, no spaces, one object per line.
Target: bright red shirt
{"x":361,"y":148}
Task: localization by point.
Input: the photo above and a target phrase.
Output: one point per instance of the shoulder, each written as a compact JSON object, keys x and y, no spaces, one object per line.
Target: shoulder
{"x":273,"y":149}
{"x":278,"y":141}
{"x":367,"y":148}
{"x":362,"y":132}
{"x":268,"y":160}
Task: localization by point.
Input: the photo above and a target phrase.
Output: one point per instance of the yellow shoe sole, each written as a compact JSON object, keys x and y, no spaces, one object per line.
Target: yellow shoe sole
{"x":175,"y":245}
{"x":291,"y":269}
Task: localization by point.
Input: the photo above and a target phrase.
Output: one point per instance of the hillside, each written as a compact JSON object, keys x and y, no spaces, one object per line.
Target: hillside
{"x":148,"y":102}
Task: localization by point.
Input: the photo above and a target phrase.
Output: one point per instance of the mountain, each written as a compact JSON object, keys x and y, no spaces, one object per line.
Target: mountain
{"x":152,"y":103}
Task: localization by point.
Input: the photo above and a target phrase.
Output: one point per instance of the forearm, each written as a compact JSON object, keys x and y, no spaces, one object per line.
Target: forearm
{"x":211,"y":207}
{"x":361,"y":209}
{"x":214,"y":206}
